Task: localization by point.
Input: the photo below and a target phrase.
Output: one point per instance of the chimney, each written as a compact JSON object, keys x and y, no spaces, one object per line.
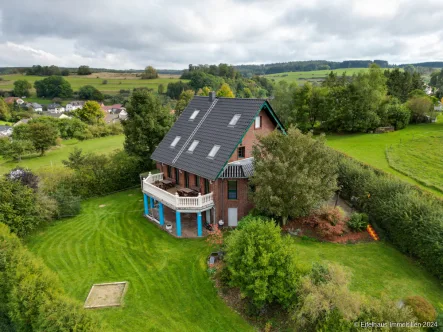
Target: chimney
{"x":211,"y":96}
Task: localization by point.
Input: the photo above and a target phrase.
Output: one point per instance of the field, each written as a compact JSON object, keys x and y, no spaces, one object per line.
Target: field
{"x":116,"y":82}
{"x":169,"y":289}
{"x":314,"y":76}
{"x":55,"y":156}
{"x":412,"y":148}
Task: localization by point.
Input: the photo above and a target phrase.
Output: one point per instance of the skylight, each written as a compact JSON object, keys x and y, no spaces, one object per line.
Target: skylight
{"x":193,"y":146}
{"x":194,"y":114}
{"x":175,"y":141}
{"x":213,"y":151}
{"x":234,"y":120}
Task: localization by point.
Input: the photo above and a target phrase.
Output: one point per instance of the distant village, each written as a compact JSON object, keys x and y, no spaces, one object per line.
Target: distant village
{"x":113,"y":113}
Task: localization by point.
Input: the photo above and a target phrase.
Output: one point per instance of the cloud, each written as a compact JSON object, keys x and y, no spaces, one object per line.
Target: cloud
{"x":172,"y":34}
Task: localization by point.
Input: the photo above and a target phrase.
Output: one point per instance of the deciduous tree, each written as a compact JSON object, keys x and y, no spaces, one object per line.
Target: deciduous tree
{"x":42,"y":136}
{"x":183,"y":101}
{"x":88,"y":92}
{"x":5,"y":112}
{"x":149,"y":73}
{"x":21,"y":88}
{"x":293,"y":174}
{"x":90,"y":113}
{"x":84,"y":70}
{"x":225,"y":91}
{"x":53,"y":86}
{"x":148,"y":121}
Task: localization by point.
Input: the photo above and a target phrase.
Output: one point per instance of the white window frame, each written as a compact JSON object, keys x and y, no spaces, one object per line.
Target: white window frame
{"x":194,"y":115}
{"x":193,"y":146}
{"x":214,"y":151}
{"x":234,"y":120}
{"x":175,"y":141}
{"x":257,"y":122}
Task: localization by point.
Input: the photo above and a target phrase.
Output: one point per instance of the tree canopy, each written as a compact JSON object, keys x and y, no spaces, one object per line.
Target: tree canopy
{"x":53,"y":86}
{"x":148,"y":122}
{"x":183,"y":101}
{"x":293,"y":174}
{"x":88,"y":92}
{"x":84,"y":70}
{"x":225,"y":91}
{"x":90,"y":113}
{"x":21,"y":88}
{"x":149,"y":73}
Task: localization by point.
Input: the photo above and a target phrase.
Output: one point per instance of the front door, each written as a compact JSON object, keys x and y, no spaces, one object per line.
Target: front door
{"x":208,"y":216}
{"x":232,"y":217}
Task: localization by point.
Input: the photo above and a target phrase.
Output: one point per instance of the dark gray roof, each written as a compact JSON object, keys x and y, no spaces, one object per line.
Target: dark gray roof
{"x":210,"y":128}
{"x":239,"y":169}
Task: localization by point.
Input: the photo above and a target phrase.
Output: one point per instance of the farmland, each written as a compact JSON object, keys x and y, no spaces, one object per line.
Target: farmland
{"x":55,"y":156}
{"x":414,"y":153}
{"x":313,"y":76}
{"x":115,"y":82}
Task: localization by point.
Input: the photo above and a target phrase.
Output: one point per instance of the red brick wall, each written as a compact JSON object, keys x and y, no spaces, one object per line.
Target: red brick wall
{"x":222,"y":202}
{"x":267,"y":126}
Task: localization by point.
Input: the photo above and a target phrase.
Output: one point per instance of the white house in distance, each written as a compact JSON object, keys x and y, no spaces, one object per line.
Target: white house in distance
{"x":5,"y":131}
{"x":55,"y":108}
{"x":74,"y":105}
{"x":36,"y":107}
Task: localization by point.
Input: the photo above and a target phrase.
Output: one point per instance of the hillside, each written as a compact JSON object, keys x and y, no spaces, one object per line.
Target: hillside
{"x":315,"y":76}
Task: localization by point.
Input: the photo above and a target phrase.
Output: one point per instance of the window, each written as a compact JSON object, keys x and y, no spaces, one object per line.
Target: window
{"x":175,"y":141}
{"x":206,"y":186}
{"x":194,"y":115}
{"x":241,"y":152}
{"x":177,"y":176}
{"x":197,"y":181}
{"x":257,"y":122}
{"x":232,"y":189}
{"x":193,"y":146}
{"x":186,"y":179}
{"x":234,"y":120}
{"x":213,"y":151}
{"x":169,"y":171}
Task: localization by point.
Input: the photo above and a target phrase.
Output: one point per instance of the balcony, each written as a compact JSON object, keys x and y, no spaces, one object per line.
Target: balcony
{"x":171,"y":199}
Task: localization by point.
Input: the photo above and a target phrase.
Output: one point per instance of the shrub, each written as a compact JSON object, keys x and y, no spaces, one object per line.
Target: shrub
{"x":358,"y":222}
{"x":409,"y":217}
{"x":261,"y":263}
{"x":250,"y":218}
{"x":325,"y":302}
{"x":32,"y":294}
{"x":422,"y":309}
{"x":68,"y":205}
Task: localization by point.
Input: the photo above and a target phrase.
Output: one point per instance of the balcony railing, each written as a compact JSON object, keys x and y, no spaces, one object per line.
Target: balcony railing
{"x":174,"y":201}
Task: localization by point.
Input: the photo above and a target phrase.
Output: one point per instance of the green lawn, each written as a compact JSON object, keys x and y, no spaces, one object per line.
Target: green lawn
{"x":371,"y":148}
{"x":5,"y":123}
{"x":169,"y":288}
{"x":113,"y":86}
{"x":376,"y":268}
{"x":56,"y":155}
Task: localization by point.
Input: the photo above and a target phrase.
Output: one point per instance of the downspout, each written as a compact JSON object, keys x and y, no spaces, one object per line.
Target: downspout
{"x":222,"y":200}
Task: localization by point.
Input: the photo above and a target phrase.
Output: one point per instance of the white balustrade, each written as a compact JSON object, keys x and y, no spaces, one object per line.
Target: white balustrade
{"x":175,"y":201}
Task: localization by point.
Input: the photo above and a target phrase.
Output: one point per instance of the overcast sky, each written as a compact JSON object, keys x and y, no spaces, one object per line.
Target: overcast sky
{"x":172,"y":33}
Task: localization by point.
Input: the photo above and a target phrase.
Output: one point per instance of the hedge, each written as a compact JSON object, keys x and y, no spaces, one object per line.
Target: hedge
{"x":411,"y":218}
{"x":31,"y":297}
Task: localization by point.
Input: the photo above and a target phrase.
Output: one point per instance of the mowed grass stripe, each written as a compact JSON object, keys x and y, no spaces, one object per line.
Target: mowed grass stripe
{"x":169,"y":288}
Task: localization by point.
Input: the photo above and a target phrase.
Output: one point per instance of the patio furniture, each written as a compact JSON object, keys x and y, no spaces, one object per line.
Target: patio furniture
{"x":187,"y":192}
{"x":167,"y":184}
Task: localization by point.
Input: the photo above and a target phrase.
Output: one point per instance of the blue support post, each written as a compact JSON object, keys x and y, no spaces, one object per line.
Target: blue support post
{"x":145,"y":200}
{"x":152,"y":202}
{"x":178,"y":223}
{"x":160,"y":213}
{"x":199,"y":224}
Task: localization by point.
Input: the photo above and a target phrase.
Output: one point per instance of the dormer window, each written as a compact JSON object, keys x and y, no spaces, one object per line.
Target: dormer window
{"x":194,"y":115}
{"x":193,"y":146}
{"x":234,"y":120}
{"x":213,"y":151}
{"x":175,"y":141}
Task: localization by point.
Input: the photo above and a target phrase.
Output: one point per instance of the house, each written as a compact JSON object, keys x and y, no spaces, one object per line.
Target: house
{"x":428,"y":90}
{"x":36,"y":107}
{"x":74,"y":105}
{"x":12,"y":100}
{"x":108,"y":109}
{"x":5,"y":131}
{"x":205,"y":161}
{"x":55,"y":108}
{"x":121,"y":112}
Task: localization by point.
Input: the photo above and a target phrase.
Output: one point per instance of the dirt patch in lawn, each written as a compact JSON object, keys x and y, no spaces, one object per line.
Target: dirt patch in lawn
{"x":102,"y":205}
{"x":106,"y":295}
